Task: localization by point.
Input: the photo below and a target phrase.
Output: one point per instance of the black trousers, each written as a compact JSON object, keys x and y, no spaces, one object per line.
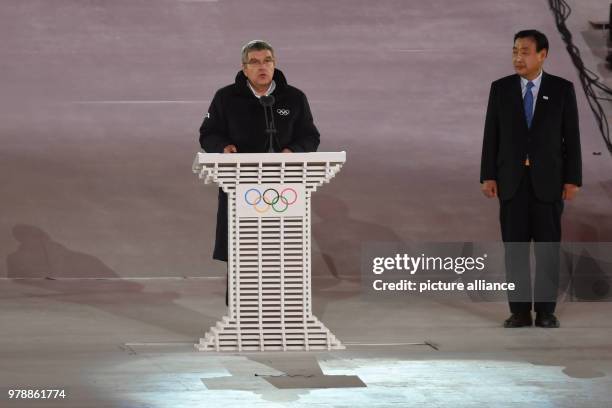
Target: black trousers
{"x":221,"y":239}
{"x":524,"y":218}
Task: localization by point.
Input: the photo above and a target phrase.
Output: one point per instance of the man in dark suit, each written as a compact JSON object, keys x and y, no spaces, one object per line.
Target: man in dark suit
{"x":236,"y":121}
{"x":531,"y":160}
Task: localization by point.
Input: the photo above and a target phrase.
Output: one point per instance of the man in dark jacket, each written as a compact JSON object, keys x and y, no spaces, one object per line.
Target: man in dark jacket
{"x":531,"y":160}
{"x":236,"y":123}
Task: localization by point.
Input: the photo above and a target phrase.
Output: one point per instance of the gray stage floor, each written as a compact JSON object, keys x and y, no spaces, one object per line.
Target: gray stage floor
{"x":99,"y":111}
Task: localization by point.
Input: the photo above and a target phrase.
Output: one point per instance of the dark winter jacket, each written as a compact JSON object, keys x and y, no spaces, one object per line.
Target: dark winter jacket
{"x":236,"y":117}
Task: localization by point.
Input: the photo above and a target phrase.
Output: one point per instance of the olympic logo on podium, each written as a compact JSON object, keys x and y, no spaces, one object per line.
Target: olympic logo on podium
{"x":270,"y":198}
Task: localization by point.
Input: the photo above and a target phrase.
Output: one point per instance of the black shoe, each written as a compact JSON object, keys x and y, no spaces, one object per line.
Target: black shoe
{"x":518,"y":320}
{"x":547,"y":320}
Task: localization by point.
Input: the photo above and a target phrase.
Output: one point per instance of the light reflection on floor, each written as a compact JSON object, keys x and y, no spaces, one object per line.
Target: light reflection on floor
{"x":432,"y":383}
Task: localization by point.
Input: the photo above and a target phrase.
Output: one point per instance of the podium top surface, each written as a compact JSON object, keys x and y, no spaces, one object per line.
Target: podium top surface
{"x":211,"y":158}
{"x":231,"y":169}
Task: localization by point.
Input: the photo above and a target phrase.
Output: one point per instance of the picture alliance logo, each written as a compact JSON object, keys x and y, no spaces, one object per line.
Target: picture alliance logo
{"x":271,"y":198}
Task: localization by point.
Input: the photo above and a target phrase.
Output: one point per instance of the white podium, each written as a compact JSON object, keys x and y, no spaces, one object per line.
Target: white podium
{"x":269,"y":217}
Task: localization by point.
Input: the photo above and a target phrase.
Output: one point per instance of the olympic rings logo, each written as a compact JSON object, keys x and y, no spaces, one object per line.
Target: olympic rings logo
{"x":270,"y":198}
{"x":283,"y":112}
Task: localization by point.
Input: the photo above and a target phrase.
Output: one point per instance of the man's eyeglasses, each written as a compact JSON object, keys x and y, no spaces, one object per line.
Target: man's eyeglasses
{"x":257,"y":63}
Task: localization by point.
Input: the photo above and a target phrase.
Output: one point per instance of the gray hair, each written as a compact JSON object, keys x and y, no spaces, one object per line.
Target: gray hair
{"x":255,"y":45}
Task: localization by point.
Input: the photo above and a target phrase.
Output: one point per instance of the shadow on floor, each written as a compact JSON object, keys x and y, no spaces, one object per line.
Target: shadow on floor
{"x":79,"y":278}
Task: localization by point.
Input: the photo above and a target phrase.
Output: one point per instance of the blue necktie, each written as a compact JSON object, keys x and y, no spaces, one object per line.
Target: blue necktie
{"x":528,"y":104}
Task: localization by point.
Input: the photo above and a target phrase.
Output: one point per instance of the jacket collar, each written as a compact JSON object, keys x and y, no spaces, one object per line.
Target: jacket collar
{"x":243,"y":89}
{"x":541,"y":103}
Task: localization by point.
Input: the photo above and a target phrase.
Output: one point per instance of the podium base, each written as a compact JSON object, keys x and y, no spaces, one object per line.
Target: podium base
{"x":298,"y":336}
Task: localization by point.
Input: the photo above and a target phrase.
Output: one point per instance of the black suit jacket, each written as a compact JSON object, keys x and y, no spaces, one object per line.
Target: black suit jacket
{"x":552,"y":142}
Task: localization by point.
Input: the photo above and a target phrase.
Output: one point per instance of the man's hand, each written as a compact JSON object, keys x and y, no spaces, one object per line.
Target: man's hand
{"x":569,"y":191}
{"x":489,"y":188}
{"x":230,"y":149}
{"x":285,"y":150}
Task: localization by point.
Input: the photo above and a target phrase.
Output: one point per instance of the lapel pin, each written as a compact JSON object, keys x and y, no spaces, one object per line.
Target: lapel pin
{"x":545,"y":97}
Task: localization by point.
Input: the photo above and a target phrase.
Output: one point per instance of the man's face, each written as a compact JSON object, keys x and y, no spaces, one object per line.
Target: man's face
{"x":526,"y":60}
{"x":259,"y":68}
